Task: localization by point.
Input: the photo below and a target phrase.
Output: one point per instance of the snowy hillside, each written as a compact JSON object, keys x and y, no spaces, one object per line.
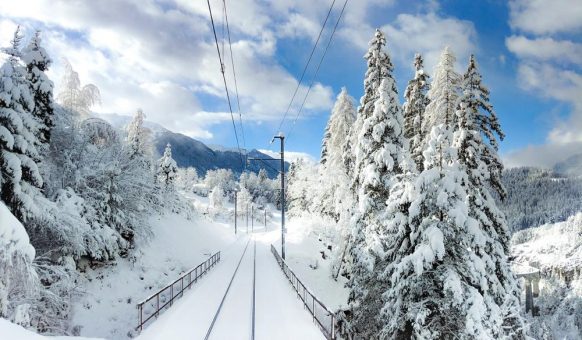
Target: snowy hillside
{"x":538,"y":196}
{"x":556,"y":249}
{"x":110,"y":293}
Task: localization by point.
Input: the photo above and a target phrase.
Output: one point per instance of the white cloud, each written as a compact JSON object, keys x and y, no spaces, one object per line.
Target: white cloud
{"x":426,"y":33}
{"x":162,"y":56}
{"x":546,"y":16}
{"x":545,"y":49}
{"x":548,"y":68}
{"x":546,"y":155}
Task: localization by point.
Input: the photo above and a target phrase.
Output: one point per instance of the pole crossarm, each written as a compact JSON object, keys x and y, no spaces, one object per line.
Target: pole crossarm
{"x":263,"y":159}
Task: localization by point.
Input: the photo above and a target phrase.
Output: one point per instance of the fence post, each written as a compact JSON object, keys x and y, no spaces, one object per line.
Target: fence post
{"x":313,"y":308}
{"x":140,"y":308}
{"x":182,"y":286}
{"x":171,"y":294}
{"x":157,"y":305}
{"x":332,"y":327}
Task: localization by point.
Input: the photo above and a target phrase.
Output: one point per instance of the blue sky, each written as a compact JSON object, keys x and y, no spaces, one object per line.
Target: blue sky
{"x":160,"y":55}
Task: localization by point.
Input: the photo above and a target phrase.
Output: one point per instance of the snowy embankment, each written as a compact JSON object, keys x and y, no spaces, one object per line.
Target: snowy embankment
{"x":311,"y":259}
{"x":10,"y":331}
{"x":556,"y":249}
{"x":107,"y":307}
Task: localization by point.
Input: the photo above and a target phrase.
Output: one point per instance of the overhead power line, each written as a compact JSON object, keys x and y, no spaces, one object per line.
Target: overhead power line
{"x":225,"y":84}
{"x":235,"y":82}
{"x":318,"y":67}
{"x":306,"y":65}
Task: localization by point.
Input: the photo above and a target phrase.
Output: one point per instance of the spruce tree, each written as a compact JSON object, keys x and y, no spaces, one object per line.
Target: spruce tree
{"x":416,"y":101}
{"x":475,"y":98}
{"x":474,"y":156}
{"x":167,"y":169}
{"x":37,"y":63}
{"x":335,"y":176}
{"x":379,"y":66}
{"x":436,"y":279}
{"x":443,"y":94}
{"x":139,"y":145}
{"x":20,"y":179}
{"x":380,"y":157}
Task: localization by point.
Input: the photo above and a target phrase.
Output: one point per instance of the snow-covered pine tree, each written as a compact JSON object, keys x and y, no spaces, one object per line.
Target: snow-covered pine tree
{"x":442,"y":280}
{"x":379,"y":66}
{"x":443,"y":94}
{"x":167,"y":169}
{"x":37,"y":63}
{"x":335,"y":177}
{"x":492,"y":235}
{"x":381,"y":155}
{"x":138,"y":137}
{"x":475,"y":97}
{"x":19,"y":175}
{"x":416,"y":101}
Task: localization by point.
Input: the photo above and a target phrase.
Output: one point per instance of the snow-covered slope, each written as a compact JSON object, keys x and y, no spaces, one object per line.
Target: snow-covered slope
{"x":10,"y":331}
{"x":107,"y":307}
{"x":556,"y":249}
{"x":18,"y":279}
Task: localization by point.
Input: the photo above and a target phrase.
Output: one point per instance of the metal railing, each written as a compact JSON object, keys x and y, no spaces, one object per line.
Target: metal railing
{"x":164,"y":298}
{"x":322,"y":316}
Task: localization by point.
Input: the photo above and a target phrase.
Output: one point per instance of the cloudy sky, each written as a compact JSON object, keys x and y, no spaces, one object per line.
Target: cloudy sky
{"x":159,"y":55}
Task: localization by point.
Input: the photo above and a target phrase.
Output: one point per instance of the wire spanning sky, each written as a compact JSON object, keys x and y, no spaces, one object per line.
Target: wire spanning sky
{"x":160,"y":56}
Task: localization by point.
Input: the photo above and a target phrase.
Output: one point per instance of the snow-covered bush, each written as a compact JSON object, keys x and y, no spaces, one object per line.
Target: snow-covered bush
{"x":216,"y":198}
{"x":18,"y":279}
{"x":186,"y":179}
{"x":222,"y":178}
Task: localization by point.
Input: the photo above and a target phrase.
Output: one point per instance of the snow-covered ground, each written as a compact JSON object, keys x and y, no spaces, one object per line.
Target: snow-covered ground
{"x":109,"y":294}
{"x":555,"y":249}
{"x":304,"y":247}
{"x":10,"y":331}
{"x":279,"y":313}
{"x":107,"y":307}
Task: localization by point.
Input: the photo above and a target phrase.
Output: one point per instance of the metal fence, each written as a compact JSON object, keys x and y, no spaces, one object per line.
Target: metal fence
{"x":164,"y":298}
{"x":322,"y":316}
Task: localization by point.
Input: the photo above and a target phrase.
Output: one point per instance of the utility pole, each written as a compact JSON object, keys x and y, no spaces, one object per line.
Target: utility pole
{"x":281,"y":137}
{"x":265,"y":217}
{"x":235,"y":212}
{"x":252,"y":218}
{"x":247,"y":218}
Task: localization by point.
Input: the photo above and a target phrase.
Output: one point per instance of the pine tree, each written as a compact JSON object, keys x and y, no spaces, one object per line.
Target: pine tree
{"x":414,"y":110}
{"x":474,"y":157}
{"x":167,"y":169}
{"x":436,"y":280}
{"x":335,"y":176}
{"x":380,"y":157}
{"x":443,"y":94}
{"x":379,"y":66}
{"x":138,"y":137}
{"x":475,"y":98}
{"x":20,"y":179}
{"x":37,"y":63}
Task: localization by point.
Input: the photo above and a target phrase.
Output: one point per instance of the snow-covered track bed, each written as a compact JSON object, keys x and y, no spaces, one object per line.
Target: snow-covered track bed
{"x":237,"y":311}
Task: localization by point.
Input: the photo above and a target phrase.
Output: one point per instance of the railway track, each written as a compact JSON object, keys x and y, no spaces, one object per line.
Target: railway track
{"x":236,"y":311}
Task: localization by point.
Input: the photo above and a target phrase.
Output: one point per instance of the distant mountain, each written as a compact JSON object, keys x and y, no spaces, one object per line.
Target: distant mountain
{"x":572,"y":166}
{"x":189,"y":152}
